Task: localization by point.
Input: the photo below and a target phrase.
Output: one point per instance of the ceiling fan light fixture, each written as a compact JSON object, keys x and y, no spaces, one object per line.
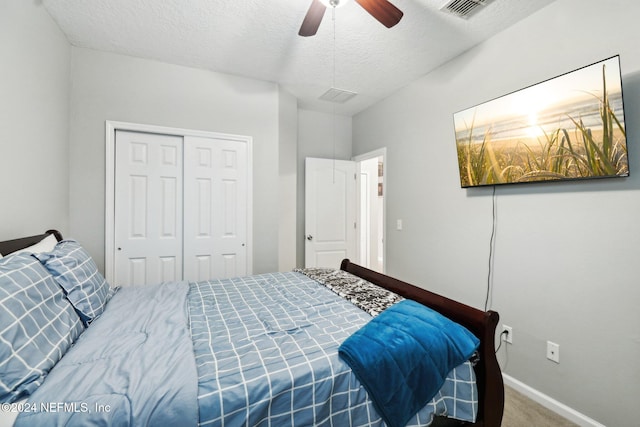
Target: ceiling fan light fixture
{"x":382,"y":10}
{"x":334,"y":3}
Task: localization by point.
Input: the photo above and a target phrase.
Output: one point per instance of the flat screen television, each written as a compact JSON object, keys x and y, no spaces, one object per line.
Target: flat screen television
{"x":569,"y":127}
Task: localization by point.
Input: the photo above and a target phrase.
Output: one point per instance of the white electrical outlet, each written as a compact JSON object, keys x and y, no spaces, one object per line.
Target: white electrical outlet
{"x":553,"y":352}
{"x":508,"y":336}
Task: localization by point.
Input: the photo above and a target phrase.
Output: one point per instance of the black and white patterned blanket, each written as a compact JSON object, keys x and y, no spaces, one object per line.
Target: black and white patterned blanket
{"x":365,"y":295}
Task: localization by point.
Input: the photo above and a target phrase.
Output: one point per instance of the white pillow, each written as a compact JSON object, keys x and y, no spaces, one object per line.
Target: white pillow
{"x":45,"y":245}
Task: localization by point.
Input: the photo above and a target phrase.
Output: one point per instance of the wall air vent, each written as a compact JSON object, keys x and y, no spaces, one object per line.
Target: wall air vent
{"x":464,"y":8}
{"x":339,"y":96}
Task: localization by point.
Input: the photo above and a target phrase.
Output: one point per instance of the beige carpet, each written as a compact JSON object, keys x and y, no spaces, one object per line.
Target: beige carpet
{"x":520,"y":411}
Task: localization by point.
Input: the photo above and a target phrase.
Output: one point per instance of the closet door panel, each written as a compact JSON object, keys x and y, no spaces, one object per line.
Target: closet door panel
{"x":148,"y":208}
{"x":215,"y":208}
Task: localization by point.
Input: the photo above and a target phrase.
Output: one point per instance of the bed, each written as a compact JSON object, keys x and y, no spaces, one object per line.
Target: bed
{"x":272,"y":349}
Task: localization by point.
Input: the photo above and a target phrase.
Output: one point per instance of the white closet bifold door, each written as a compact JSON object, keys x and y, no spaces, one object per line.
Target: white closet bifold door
{"x":181,"y":207}
{"x":215,"y":208}
{"x":148,"y":208}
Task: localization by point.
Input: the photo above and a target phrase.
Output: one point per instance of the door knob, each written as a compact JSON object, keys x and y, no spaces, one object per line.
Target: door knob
{"x":309,"y":237}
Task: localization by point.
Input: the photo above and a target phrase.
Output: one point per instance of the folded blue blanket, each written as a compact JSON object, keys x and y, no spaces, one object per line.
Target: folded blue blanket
{"x":403,"y":356}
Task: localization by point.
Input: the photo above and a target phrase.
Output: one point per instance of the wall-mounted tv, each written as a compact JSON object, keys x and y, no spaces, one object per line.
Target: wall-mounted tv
{"x":566,"y":128}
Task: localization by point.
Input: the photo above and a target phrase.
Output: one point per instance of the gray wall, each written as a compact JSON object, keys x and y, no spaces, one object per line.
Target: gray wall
{"x":34,"y":118}
{"x":115,"y":87}
{"x":566,"y":255}
{"x":288,"y":160}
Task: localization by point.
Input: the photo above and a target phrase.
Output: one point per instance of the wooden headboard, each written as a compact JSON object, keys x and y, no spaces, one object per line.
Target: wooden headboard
{"x":9,"y":246}
{"x":481,"y":323}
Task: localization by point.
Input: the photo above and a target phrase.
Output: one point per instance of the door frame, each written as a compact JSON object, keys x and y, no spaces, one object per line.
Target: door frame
{"x":381,"y":152}
{"x":110,"y":144}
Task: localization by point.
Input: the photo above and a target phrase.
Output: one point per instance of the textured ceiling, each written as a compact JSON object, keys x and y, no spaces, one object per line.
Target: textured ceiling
{"x":259,"y":39}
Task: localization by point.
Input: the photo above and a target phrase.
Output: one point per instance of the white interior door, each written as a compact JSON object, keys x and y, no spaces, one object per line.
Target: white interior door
{"x":148,"y":208}
{"x":330,"y":212}
{"x":215,"y":210}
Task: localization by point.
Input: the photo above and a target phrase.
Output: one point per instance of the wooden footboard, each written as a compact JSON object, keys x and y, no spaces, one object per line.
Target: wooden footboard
{"x":481,"y":323}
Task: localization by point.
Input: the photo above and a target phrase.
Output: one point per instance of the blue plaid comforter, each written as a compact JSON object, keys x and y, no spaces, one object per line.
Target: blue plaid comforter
{"x":266,"y":351}
{"x":266,"y":354}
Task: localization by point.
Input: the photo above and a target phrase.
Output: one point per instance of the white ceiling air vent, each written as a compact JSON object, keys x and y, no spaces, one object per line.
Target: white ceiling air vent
{"x":338,"y":96}
{"x":464,"y":8}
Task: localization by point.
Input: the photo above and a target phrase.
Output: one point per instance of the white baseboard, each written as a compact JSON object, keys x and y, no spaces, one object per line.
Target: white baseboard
{"x":550,"y":403}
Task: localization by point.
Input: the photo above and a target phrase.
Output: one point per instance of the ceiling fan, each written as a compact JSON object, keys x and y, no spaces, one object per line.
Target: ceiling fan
{"x":382,"y":10}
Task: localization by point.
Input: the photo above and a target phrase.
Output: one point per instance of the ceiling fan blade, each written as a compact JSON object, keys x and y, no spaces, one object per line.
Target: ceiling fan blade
{"x":383,"y":11}
{"x":312,"y":20}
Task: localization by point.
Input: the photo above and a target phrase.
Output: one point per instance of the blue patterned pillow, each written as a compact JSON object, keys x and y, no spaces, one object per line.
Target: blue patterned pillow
{"x":37,"y":325}
{"x":77,"y":273}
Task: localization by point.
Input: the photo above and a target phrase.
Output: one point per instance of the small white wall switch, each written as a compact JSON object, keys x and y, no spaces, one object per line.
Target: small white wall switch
{"x":553,"y":352}
{"x":399,"y":225}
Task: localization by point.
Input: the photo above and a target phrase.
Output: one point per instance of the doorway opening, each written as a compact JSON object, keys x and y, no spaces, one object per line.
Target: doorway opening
{"x":371,"y":171}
